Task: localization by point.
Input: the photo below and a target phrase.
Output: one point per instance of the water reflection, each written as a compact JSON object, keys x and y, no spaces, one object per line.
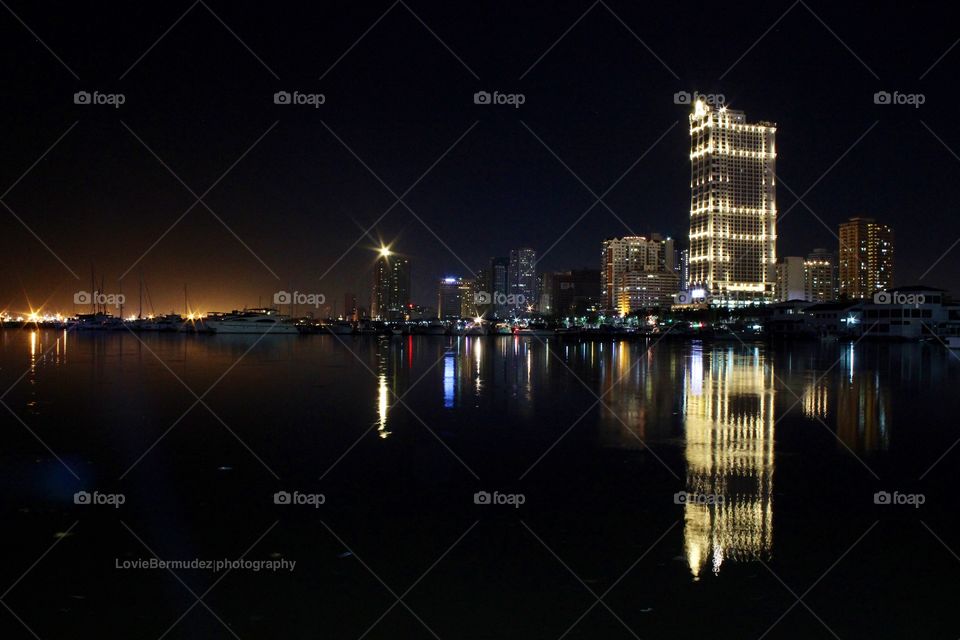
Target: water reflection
{"x":728,"y":398}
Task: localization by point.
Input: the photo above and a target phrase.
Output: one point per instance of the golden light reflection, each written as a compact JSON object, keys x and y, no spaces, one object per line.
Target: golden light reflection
{"x":728,"y":414}
{"x":382,"y":405}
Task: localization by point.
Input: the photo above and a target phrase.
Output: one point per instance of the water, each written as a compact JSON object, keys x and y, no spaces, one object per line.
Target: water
{"x":783,"y":450}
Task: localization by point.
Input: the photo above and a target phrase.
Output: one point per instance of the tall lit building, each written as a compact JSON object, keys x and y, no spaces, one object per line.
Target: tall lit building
{"x":866,"y":257}
{"x":733,"y":206}
{"x":522,"y":276}
{"x":632,"y":253}
{"x":790,"y":278}
{"x":819,"y":276}
{"x":497,"y":276}
{"x":391,"y":286}
{"x":450,"y":298}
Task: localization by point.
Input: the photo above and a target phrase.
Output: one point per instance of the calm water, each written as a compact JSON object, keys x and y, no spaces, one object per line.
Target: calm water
{"x":596,"y":439}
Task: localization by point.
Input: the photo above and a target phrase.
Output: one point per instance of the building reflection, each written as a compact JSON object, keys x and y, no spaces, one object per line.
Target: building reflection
{"x":728,"y":399}
{"x":863,"y":413}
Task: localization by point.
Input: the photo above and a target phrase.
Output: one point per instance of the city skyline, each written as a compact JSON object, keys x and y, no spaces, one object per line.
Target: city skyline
{"x":76,"y":173}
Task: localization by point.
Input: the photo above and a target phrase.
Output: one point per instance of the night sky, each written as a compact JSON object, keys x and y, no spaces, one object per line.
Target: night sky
{"x":400,"y":98}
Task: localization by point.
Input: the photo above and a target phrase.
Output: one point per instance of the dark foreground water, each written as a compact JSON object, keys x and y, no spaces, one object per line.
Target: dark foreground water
{"x":781,"y":450}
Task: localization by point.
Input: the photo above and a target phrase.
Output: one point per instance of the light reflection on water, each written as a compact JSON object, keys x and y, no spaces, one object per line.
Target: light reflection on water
{"x":721,"y":407}
{"x":728,"y":409}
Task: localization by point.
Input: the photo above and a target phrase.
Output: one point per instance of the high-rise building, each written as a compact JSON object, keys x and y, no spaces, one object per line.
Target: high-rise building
{"x":866,"y":257}
{"x":468,"y":298}
{"x":391,"y":286}
{"x":350,"y":307}
{"x":638,"y":290}
{"x":498,"y":289}
{"x":632,"y":253}
{"x":790,"y":278}
{"x":450,"y":298}
{"x":522,"y":276}
{"x":683,"y":269}
{"x":576,"y":292}
{"x":819,"y":276}
{"x":733,"y":206}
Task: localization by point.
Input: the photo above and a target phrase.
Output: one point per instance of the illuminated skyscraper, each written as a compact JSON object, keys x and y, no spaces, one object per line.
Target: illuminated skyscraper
{"x":634,"y":254}
{"x":866,"y":257}
{"x":523,"y":276}
{"x":391,"y":286}
{"x":733,"y":206}
{"x":819,"y":277}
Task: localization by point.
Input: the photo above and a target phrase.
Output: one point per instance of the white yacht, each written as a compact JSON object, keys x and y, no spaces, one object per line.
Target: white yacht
{"x":251,"y":321}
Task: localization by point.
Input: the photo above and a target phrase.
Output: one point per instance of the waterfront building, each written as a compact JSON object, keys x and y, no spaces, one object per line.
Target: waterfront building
{"x":866,"y":258}
{"x":790,"y":278}
{"x":619,"y":256}
{"x":819,"y":276}
{"x":733,"y":206}
{"x":391,"y":286}
{"x":449,"y":298}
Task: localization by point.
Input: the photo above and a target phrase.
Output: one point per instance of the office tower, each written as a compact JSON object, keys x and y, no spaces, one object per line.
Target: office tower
{"x":468,"y":304}
{"x":733,"y":209}
{"x":638,"y":290}
{"x":790,"y":278}
{"x":632,"y":253}
{"x":449,"y":298}
{"x":350,"y":306}
{"x":866,"y":257}
{"x":576,"y":292}
{"x":498,"y":276}
{"x":522,"y":276}
{"x":391,"y":286}
{"x":819,"y":276}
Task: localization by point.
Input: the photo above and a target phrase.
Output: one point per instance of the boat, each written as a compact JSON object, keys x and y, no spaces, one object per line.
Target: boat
{"x":503,"y":329}
{"x":252,"y":321}
{"x":339,"y":327}
{"x":536,"y":329}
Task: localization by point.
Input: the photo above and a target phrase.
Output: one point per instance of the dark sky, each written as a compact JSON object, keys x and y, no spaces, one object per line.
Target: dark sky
{"x":399,"y":99}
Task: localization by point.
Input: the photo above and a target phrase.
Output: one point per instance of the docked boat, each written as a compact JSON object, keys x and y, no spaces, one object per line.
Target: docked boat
{"x":503,"y":329}
{"x":251,"y":321}
{"x":340,"y":327}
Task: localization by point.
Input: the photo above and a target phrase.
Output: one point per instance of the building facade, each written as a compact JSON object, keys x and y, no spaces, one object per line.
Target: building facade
{"x":819,"y":276}
{"x":391,"y":287}
{"x":632,"y":254}
{"x":522,"y":276}
{"x":637,"y":290}
{"x":450,"y":298}
{"x":790,"y":278}
{"x":866,"y":258}
{"x":733,"y":206}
